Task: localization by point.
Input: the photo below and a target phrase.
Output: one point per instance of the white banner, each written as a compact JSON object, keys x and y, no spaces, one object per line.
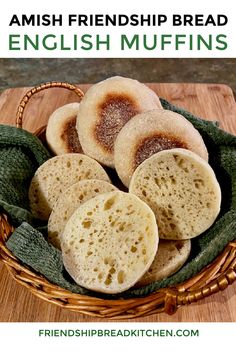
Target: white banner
{"x":116,"y":337}
{"x":132,"y":29}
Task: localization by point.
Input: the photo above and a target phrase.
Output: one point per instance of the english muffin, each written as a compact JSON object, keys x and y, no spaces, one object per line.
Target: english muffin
{"x":149,"y":133}
{"x":61,"y":132}
{"x":106,"y":107}
{"x":182,"y":190}
{"x":57,"y":174}
{"x":170,"y":257}
{"x":69,"y":201}
{"x":110,"y":242}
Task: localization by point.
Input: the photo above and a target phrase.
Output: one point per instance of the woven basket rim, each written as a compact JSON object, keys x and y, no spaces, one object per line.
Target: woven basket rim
{"x":213,"y":278}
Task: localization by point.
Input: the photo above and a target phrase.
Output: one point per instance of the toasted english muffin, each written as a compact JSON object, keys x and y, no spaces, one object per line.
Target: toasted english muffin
{"x":170,"y":257}
{"x":61,"y":132}
{"x":110,"y":242}
{"x":106,"y":107}
{"x":69,"y":201}
{"x":182,"y":190}
{"x":149,"y":133}
{"x":55,"y":175}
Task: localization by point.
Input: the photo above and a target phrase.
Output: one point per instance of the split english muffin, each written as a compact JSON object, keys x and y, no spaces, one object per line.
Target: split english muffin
{"x":106,"y":107}
{"x":181,"y":189}
{"x":149,"y":133}
{"x":170,"y":257}
{"x":69,"y":201}
{"x":61,"y":132}
{"x":57,"y":174}
{"x":110,"y":242}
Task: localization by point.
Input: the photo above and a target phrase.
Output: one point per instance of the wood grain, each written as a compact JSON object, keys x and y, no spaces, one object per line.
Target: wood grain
{"x":209,"y":101}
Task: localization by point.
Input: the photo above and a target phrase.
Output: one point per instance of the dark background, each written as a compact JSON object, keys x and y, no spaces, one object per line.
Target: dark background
{"x":30,"y":72}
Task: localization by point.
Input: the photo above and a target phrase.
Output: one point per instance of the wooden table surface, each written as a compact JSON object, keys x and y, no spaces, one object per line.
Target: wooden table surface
{"x":209,"y":101}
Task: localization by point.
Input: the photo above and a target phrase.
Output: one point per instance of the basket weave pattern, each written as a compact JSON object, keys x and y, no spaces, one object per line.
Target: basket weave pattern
{"x":212,"y":279}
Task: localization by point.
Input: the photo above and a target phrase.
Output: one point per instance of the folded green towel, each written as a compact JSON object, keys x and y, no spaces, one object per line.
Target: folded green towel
{"x":30,"y":247}
{"x":21,"y":153}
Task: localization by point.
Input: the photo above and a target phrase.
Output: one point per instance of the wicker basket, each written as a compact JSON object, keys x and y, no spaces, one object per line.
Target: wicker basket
{"x":213,"y":278}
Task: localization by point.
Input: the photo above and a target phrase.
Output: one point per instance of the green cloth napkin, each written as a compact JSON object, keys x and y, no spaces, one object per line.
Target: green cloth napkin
{"x":30,"y":246}
{"x":21,"y":153}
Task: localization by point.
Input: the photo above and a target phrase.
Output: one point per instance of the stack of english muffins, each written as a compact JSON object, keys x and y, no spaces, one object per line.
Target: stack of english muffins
{"x":138,"y":228}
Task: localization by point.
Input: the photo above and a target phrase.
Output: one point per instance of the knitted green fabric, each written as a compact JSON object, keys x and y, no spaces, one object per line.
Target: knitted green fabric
{"x":21,"y":153}
{"x":222,"y":152}
{"x":29,"y":245}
